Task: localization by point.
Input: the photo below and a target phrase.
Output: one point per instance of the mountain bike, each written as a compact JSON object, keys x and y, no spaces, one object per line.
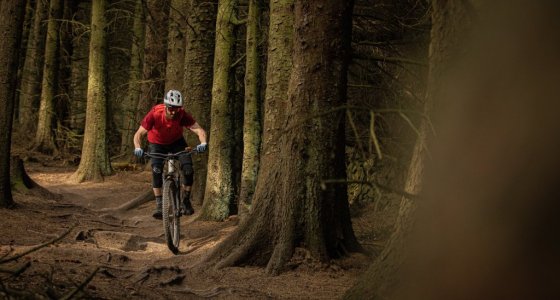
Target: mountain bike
{"x":171,"y":196}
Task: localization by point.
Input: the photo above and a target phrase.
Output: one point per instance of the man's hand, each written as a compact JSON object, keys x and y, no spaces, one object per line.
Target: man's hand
{"x":201,"y":147}
{"x":138,"y":152}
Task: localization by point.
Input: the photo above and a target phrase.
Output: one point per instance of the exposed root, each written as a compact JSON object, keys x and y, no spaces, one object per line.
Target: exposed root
{"x":33,"y":249}
{"x":206,"y":293}
{"x":280,"y":257}
{"x":81,"y":286}
{"x":22,"y":183}
{"x":141,"y":199}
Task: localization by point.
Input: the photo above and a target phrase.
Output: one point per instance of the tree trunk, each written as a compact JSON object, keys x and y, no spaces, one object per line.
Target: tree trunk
{"x":251,"y":120}
{"x":33,"y":71}
{"x":450,"y":20}
{"x":119,"y":37}
{"x":199,"y":60}
{"x":45,"y":135}
{"x":80,"y":61}
{"x":130,"y":102}
{"x":302,"y":211}
{"x":219,"y":181}
{"x":27,"y":28}
{"x":176,"y":46}
{"x":11,"y":20}
{"x":155,"y":51}
{"x":94,"y":163}
{"x":62,"y":110}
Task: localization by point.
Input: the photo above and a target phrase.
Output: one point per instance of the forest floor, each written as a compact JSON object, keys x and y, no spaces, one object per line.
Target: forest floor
{"x":129,"y":252}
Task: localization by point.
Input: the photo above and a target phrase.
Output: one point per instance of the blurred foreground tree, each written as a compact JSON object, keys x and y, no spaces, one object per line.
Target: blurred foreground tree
{"x":11,"y":20}
{"x":450,"y":20}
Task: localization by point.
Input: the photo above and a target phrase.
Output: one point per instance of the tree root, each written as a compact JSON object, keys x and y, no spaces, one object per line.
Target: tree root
{"x":22,"y":183}
{"x":81,"y":286}
{"x":141,"y":199}
{"x":206,"y":293}
{"x":53,"y":241}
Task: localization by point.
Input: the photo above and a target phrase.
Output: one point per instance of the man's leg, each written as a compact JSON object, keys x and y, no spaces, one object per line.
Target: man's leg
{"x":157,"y":180}
{"x":186,"y":185}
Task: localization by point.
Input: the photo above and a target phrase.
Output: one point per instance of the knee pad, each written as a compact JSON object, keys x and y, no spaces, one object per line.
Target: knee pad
{"x":157,"y":179}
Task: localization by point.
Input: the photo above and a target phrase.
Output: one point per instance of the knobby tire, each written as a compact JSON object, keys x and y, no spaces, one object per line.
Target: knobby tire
{"x":171,"y":220}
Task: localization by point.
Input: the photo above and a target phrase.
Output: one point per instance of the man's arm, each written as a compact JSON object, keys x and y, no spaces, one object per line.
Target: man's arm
{"x":199,"y":131}
{"x":138,"y":136}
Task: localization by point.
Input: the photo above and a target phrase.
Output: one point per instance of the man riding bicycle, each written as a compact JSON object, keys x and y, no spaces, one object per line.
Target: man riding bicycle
{"x":164,"y":125}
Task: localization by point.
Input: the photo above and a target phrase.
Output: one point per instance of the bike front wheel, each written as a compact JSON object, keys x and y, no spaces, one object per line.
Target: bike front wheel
{"x":171,"y":218}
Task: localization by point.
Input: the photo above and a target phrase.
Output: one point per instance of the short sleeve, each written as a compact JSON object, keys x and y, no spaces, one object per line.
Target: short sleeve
{"x":187,"y":120}
{"x":148,"y":121}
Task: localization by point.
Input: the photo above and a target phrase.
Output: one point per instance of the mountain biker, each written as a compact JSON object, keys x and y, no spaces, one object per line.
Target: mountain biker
{"x":164,"y":125}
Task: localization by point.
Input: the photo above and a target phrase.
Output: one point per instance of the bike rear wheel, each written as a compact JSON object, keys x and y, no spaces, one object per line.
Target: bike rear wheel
{"x":171,"y":218}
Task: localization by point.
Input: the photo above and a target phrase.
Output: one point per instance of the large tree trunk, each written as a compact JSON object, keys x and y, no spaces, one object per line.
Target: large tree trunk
{"x":94,"y":163}
{"x":252,"y":119}
{"x":199,"y":60}
{"x":130,"y":102}
{"x":45,"y":135}
{"x":32,"y":71}
{"x":450,"y":20}
{"x":11,"y":20}
{"x":176,"y":46}
{"x":155,"y":53}
{"x":302,"y":212}
{"x":219,"y":181}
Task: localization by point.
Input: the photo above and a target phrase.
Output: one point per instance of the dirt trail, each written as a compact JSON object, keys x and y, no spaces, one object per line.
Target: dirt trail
{"x":130,"y":251}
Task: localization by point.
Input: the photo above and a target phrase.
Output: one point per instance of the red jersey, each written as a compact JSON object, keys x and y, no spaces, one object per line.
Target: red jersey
{"x":163,"y":131}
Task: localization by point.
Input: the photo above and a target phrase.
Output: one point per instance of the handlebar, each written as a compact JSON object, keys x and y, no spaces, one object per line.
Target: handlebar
{"x":169,"y":155}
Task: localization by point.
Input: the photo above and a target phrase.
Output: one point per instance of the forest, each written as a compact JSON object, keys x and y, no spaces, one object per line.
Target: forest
{"x":356,"y":149}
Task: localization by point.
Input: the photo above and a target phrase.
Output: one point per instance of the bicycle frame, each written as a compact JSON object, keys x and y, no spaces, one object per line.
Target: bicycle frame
{"x":172,"y":192}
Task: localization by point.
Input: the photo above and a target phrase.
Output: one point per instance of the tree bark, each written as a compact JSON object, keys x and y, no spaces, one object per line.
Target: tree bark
{"x":33,"y":71}
{"x":94,"y":162}
{"x":155,"y":51}
{"x":219,"y":181}
{"x":199,"y":60}
{"x":11,"y":20}
{"x":450,"y":21}
{"x":79,"y":73}
{"x":130,"y":103}
{"x":45,"y":135}
{"x":302,"y":212}
{"x":251,"y":120}
{"x":176,"y":42}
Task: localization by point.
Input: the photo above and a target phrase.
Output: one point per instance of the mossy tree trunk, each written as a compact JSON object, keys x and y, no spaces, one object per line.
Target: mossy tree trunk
{"x":11,"y":20}
{"x":45,"y":135}
{"x":450,"y":20}
{"x":130,"y":102}
{"x":94,"y":162}
{"x":199,"y":61}
{"x":219,"y":181}
{"x":301,"y":212}
{"x":155,"y":53}
{"x":252,"y":119}
{"x":176,"y":46}
{"x":33,"y":71}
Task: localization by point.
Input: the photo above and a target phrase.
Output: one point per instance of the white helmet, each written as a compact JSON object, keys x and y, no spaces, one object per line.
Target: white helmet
{"x":173,"y":98}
